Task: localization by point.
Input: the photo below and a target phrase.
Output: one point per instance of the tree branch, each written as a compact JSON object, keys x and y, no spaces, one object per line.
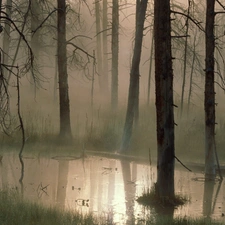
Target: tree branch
{"x":34,"y":31}
{"x":198,"y":24}
{"x":77,"y":47}
{"x":182,"y":164}
{"x":220,"y":4}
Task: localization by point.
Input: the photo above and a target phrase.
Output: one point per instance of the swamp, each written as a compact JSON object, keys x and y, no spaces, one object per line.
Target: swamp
{"x":104,"y":104}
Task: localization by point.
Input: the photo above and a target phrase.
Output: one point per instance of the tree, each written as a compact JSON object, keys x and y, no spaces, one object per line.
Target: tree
{"x":134,"y":76}
{"x":150,"y":70}
{"x":99,"y":45}
{"x":6,"y":37}
{"x":35,"y":38}
{"x":105,"y":47}
{"x":209,"y":91}
{"x":164,"y":99}
{"x":185,"y":55}
{"x":64,"y":105}
{"x":115,"y":54}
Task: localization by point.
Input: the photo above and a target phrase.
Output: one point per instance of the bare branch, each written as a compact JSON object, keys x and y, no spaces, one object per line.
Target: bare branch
{"x":82,"y":50}
{"x":220,"y":4}
{"x":198,"y":24}
{"x":78,"y":36}
{"x":34,"y":31}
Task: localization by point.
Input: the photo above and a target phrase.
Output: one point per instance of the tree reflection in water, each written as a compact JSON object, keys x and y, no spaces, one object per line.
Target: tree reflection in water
{"x":129,"y":180}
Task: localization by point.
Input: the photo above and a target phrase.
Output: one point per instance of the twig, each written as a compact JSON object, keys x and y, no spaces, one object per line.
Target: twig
{"x":182,"y":164}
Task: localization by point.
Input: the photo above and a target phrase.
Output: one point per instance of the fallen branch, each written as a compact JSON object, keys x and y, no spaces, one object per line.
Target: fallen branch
{"x":182,"y":164}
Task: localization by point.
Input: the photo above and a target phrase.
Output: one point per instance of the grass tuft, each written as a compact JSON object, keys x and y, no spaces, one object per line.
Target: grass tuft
{"x":151,"y":198}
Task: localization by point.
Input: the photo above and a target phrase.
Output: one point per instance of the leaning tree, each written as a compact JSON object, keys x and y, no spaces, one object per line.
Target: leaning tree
{"x":134,"y":75}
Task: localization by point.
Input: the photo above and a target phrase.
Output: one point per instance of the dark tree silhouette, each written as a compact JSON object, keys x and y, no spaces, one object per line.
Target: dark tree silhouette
{"x":64,"y":105}
{"x":164,"y":99}
{"x":115,"y":54}
{"x":99,"y":45}
{"x":209,"y":90}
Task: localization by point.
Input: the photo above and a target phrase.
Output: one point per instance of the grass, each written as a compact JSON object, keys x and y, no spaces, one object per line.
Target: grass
{"x":162,"y":210}
{"x":15,"y":210}
{"x":151,"y":199}
{"x":102,"y":131}
{"x":182,"y":221}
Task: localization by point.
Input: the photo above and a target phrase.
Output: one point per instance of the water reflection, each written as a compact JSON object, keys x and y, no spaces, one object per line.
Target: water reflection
{"x":107,"y":186}
{"x":129,"y":180}
{"x":63,"y":171}
{"x":212,"y":202}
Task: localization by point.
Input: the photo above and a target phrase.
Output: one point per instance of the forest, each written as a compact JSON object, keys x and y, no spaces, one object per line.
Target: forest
{"x":134,"y":80}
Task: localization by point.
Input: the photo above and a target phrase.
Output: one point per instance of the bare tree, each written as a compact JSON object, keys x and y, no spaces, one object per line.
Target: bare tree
{"x":164,"y":99}
{"x":209,"y":90}
{"x":134,"y":76}
{"x":6,"y":37}
{"x":99,"y":44}
{"x":185,"y":55}
{"x":105,"y":47}
{"x":115,"y":54}
{"x":64,"y":105}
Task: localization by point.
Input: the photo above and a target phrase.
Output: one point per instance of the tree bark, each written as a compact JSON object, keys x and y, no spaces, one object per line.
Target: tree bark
{"x":64,"y":105}
{"x":134,"y":77}
{"x":210,"y":91}
{"x":164,"y":99}
{"x":115,"y":54}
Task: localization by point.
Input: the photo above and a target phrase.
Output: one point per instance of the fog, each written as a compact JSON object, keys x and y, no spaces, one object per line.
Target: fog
{"x":39,"y":94}
{"x":90,"y":168}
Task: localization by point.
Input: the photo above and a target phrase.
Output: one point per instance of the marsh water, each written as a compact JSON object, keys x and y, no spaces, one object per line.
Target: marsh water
{"x":107,"y":186}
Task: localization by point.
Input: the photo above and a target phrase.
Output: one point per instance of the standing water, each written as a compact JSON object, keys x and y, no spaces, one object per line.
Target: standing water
{"x":107,"y":187}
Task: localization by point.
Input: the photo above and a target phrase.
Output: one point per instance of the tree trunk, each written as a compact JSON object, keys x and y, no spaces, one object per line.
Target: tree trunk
{"x":185,"y":58}
{"x":136,"y":103}
{"x":35,"y":42}
{"x":164,"y":99}
{"x":134,"y":77}
{"x":6,"y":37}
{"x":99,"y":45}
{"x":115,"y":54}
{"x":150,"y":71}
{"x":192,"y":72}
{"x":210,"y":91}
{"x":105,"y":48}
{"x":64,"y":105}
